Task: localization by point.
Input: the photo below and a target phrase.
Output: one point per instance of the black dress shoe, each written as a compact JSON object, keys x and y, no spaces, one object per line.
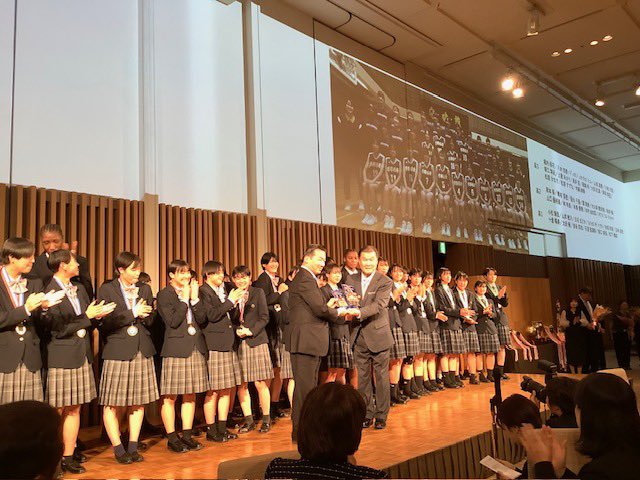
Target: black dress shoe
{"x":367,"y":423}
{"x":483,"y":378}
{"x":505,"y":377}
{"x":71,"y":466}
{"x":142,"y":447}
{"x":247,"y":427}
{"x":177,"y":446}
{"x":124,"y":459}
{"x":196,"y":432}
{"x":265,"y":427}
{"x":79,"y":457}
{"x":490,"y":378}
{"x":217,"y":437}
{"x":414,"y":396}
{"x":136,"y":457}
{"x":380,"y":424}
{"x":403,"y":399}
{"x":230,"y":435}
{"x":192,"y":444}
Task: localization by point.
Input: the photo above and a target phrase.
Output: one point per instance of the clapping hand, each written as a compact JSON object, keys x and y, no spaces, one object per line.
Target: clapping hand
{"x":502,"y":292}
{"x":52,"y":298}
{"x":441,"y":316}
{"x":235,"y":295}
{"x":194,"y":289}
{"x":332,"y":303}
{"x":99,"y":310}
{"x":283,"y":287}
{"x":142,"y":310}
{"x":488,"y":310}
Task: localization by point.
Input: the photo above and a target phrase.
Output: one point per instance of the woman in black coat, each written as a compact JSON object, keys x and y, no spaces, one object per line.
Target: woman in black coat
{"x":576,"y":331}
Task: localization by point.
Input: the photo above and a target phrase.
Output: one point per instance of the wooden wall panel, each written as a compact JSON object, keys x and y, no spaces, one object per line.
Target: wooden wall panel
{"x":197,"y":236}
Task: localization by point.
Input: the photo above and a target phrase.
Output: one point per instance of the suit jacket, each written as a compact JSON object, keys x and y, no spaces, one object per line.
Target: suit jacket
{"x":500,"y":303}
{"x":274,"y":306}
{"x":219,"y":333}
{"x":434,"y":323}
{"x":255,"y":318}
{"x":470,"y":298}
{"x":118,"y":344}
{"x":66,"y":349}
{"x":373,"y":323}
{"x":336,"y":330}
{"x":177,"y":341}
{"x":41,"y":270}
{"x":486,"y":322}
{"x":309,"y":316}
{"x":451,"y":310}
{"x":14,"y":351}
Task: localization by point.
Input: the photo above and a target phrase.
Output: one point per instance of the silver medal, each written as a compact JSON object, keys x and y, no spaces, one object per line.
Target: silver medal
{"x":191,"y":330}
{"x":132,"y":331}
{"x":81,"y":333}
{"x":21,"y":330}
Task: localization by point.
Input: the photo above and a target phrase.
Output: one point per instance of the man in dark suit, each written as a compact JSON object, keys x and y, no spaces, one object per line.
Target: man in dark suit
{"x":350,"y":264}
{"x":307,"y":333}
{"x":371,"y":335}
{"x":52,"y":239}
{"x":595,"y":343}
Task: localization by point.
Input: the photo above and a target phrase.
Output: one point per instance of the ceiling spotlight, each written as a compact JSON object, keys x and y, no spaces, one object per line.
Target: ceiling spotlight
{"x":593,"y":42}
{"x":555,"y":54}
{"x":599,"y":102}
{"x":533,"y":25}
{"x":638,"y":91}
{"x":568,"y":50}
{"x":518,"y":92}
{"x":606,"y":38}
{"x":508,"y":83}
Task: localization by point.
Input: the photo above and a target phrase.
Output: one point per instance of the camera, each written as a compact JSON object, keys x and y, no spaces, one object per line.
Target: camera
{"x":529,"y":385}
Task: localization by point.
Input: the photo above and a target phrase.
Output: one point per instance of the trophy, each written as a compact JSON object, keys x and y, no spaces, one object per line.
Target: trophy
{"x":352,"y":298}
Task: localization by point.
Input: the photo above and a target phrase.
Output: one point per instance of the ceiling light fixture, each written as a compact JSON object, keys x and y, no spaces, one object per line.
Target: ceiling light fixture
{"x":568,"y":50}
{"x":508,"y":83}
{"x":533,"y":24}
{"x":606,"y":38}
{"x":638,"y":91}
{"x":555,"y":54}
{"x":518,"y":92}
{"x":593,"y":43}
{"x":599,"y":102}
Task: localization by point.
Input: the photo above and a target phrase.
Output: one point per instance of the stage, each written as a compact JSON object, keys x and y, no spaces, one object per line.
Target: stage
{"x":414,"y":429}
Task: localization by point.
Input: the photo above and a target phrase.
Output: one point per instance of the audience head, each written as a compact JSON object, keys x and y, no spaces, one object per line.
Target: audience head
{"x":415,"y":277}
{"x":427,"y":279}
{"x":30,"y":440}
{"x":315,"y":257}
{"x":270,"y":262}
{"x":397,"y":273}
{"x":383,"y":265}
{"x":480,"y":287}
{"x":462,"y":280}
{"x":517,"y":410}
{"x":330,"y":426}
{"x":144,"y":278}
{"x":368,"y":259}
{"x":444,"y":276}
{"x":63,"y":262}
{"x":213,"y":272}
{"x":51,"y":237}
{"x":573,"y":303}
{"x":334,"y":273}
{"x":491,"y":274}
{"x":585,"y":293}
{"x":18,"y":253}
{"x":351,"y":258}
{"x":128,"y":267}
{"x":241,"y":277}
{"x":560,"y":395}
{"x":607,"y":413}
{"x":179,"y":273}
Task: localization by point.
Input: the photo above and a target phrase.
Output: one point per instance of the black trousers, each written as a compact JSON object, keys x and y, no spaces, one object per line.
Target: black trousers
{"x":622,"y":344}
{"x":366,"y":360}
{"x":595,"y":353}
{"x":305,"y":374}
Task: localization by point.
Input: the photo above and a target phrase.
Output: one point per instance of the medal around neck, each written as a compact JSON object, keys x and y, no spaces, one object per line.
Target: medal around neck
{"x":132,"y":331}
{"x":191,"y":330}
{"x":81,"y":333}
{"x":21,"y":329}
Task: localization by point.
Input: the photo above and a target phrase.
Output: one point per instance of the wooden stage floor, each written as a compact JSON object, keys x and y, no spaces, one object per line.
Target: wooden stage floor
{"x":419,"y":427}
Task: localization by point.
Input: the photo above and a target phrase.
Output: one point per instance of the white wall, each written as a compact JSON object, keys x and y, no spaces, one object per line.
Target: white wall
{"x":76,"y":96}
{"x":199,"y":102}
{"x":6,"y":72}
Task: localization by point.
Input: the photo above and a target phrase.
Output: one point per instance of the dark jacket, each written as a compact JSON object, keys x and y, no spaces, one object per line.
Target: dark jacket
{"x":406,"y":315}
{"x":118,"y":344}
{"x":66,"y":349}
{"x":14,"y":351}
{"x":486,"y":322}
{"x":274,"y":306}
{"x":500,"y":304}
{"x":336,"y":330}
{"x":430,"y":307}
{"x":177,"y":341}
{"x":255,"y":318}
{"x":470,"y":298}
{"x":614,"y":465}
{"x":219,"y":333}
{"x":450,"y":309}
{"x":41,"y":270}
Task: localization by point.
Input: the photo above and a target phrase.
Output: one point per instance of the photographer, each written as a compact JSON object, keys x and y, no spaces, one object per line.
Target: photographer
{"x":560,"y":394}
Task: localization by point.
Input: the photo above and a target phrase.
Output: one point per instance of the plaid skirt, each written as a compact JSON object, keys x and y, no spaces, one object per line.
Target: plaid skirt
{"x":340,"y":354}
{"x":471,"y":342}
{"x":398,"y":349}
{"x":70,"y":386}
{"x":430,"y":342}
{"x":21,"y":384}
{"x":489,"y":342}
{"x":504,"y":335}
{"x":452,"y":342}
{"x":126,"y":383}
{"x":412,"y":343}
{"x":182,"y":376}
{"x":284,"y":361}
{"x":255,"y":362}
{"x":224,"y":370}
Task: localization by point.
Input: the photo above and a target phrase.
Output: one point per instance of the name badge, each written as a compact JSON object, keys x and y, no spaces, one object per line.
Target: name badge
{"x":21,"y":330}
{"x":81,"y":333}
{"x":132,"y":331}
{"x":191,"y":330}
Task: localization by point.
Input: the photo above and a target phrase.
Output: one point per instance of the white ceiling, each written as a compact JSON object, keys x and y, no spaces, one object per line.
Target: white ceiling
{"x":472,"y":44}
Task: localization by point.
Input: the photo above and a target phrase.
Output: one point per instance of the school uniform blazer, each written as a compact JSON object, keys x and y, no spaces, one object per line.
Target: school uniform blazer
{"x":336,"y":330}
{"x":219,"y":332}
{"x":373,"y":323}
{"x":41,"y":270}
{"x":421,"y":316}
{"x":470,"y":298}
{"x":500,"y":304}
{"x":118,"y":345}
{"x":177,"y":341}
{"x":451,"y":310}
{"x":346,"y":274}
{"x":283,"y":317}
{"x":256,"y":317}
{"x":66,"y":349}
{"x":309,"y":316}
{"x":406,"y":312}
{"x":394,"y":317}
{"x":14,"y":351}
{"x":434,"y":323}
{"x":264,"y":283}
{"x":486,"y":323}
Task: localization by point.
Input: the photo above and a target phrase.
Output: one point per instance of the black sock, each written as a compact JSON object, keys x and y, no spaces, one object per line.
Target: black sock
{"x":266,"y":418}
{"x":132,"y":447}
{"x":406,"y":387}
{"x":186,"y":434}
{"x":419,"y":382}
{"x":212,"y":428}
{"x":394,"y":390}
{"x":222,"y":426}
{"x":173,"y":436}
{"x":68,"y":458}
{"x":119,"y":450}
{"x":248,"y":420}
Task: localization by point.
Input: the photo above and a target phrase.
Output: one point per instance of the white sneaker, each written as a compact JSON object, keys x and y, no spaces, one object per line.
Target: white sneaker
{"x":361,"y":206}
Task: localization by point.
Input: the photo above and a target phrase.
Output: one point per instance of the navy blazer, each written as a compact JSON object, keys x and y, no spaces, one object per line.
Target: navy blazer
{"x":219,"y":332}
{"x":451,"y":310}
{"x":470,"y":298}
{"x":177,"y":341}
{"x":255,"y":317}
